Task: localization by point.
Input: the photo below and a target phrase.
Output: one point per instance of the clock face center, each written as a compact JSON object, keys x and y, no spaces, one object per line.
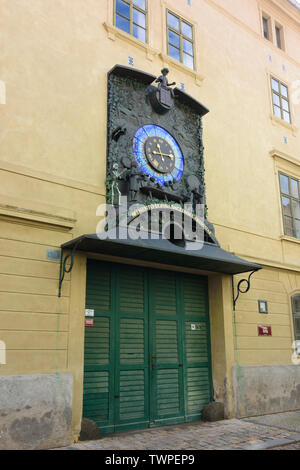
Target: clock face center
{"x":159,"y":154}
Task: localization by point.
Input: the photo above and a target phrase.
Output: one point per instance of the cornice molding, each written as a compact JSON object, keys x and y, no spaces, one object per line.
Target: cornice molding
{"x":277,"y":154}
{"x":34,"y":213}
{"x":285,"y":8}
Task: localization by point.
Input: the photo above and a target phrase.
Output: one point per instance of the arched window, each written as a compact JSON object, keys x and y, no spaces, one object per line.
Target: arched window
{"x":296,"y":315}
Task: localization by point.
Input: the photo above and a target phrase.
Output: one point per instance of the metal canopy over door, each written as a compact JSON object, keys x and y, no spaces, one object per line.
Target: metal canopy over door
{"x":147,"y":352}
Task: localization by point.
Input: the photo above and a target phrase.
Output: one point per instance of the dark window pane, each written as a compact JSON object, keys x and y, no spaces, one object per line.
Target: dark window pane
{"x":284,"y":184}
{"x":288,"y":226}
{"x":174,"y":39}
{"x":285,"y":105}
{"x":173,"y":52}
{"x":286,"y":205}
{"x":139,"y":33}
{"x":122,"y":23}
{"x":186,"y":30}
{"x":140,"y":3}
{"x":276,"y":99}
{"x":297,"y":226}
{"x":187,"y":46}
{"x":284,"y":90}
{"x":296,"y":209}
{"x":297,"y":328}
{"x":296,"y":304}
{"x":139,"y":18}
{"x":277,"y":112}
{"x":287,"y":117}
{"x":278,"y":37}
{"x":295,"y":188}
{"x":275,"y":85}
{"x":266,"y":28}
{"x":123,"y":8}
{"x":173,"y":21}
{"x":188,"y":60}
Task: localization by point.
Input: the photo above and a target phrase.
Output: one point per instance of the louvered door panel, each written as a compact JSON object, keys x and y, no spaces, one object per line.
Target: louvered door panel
{"x":98,"y":357}
{"x":198,"y":389}
{"x":167,"y":373}
{"x":132,"y":370}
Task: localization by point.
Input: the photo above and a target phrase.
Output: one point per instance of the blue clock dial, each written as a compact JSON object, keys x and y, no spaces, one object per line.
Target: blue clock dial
{"x":158,"y":154}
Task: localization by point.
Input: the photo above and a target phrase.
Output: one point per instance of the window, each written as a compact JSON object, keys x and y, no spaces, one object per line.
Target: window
{"x":131,"y":17}
{"x":290,"y":200}
{"x":267,"y":27}
{"x":279,"y":36}
{"x":296,"y":316}
{"x":280,"y":95}
{"x":180,"y":40}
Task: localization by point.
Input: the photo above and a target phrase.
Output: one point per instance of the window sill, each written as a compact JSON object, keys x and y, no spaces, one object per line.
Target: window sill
{"x":290,"y":239}
{"x":275,"y":120}
{"x":182,"y":68}
{"x":114,"y":33}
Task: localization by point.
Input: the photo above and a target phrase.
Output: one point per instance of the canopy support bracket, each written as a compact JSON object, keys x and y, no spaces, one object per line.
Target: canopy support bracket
{"x":240,"y":290}
{"x":63,"y":265}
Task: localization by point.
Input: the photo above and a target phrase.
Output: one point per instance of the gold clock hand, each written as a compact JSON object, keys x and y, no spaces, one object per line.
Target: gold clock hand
{"x":158,"y":146}
{"x":163,"y":154}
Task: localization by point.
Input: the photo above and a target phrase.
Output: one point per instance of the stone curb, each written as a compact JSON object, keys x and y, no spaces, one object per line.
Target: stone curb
{"x":274,"y":443}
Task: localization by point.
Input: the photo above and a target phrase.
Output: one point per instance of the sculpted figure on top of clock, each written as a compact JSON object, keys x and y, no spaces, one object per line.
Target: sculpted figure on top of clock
{"x":162,"y":97}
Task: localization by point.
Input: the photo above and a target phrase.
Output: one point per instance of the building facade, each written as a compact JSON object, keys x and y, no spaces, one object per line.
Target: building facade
{"x":111,"y":333}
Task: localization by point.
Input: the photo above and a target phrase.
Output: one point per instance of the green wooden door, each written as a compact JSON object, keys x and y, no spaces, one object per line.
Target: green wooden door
{"x":116,"y":364}
{"x":196,"y":345}
{"x":98,"y":387}
{"x":180,"y":348}
{"x":147,"y":352}
{"x":167,"y":394}
{"x":131,"y":348}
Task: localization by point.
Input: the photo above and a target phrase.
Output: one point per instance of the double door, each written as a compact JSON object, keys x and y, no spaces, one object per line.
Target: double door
{"x":147,"y":353}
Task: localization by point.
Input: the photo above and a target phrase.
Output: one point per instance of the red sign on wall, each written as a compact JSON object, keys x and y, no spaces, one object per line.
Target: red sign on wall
{"x":89,"y":321}
{"x":264,"y":330}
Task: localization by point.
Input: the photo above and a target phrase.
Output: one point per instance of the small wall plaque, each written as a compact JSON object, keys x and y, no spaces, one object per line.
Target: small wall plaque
{"x":263,"y":306}
{"x":89,"y":322}
{"x":89,"y":312}
{"x":53,"y":255}
{"x":264,"y":330}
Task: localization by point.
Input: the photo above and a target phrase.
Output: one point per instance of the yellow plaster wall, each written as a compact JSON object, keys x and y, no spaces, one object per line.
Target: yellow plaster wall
{"x":276,"y":287}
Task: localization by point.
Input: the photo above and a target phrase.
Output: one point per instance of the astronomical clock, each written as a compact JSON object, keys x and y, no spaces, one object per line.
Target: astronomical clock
{"x":155,"y":149}
{"x":158,"y":154}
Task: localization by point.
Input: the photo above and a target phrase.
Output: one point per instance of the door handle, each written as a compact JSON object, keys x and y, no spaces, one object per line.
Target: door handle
{"x":153,"y":361}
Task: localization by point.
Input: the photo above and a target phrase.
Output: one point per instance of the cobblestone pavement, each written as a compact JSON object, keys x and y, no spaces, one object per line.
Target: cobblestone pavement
{"x":231,"y":434}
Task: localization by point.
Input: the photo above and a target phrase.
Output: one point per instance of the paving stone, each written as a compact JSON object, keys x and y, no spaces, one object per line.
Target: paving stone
{"x":233,"y":434}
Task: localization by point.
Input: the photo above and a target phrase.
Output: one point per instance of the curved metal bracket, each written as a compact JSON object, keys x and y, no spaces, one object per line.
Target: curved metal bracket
{"x":240,"y":289}
{"x":63,"y":266}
